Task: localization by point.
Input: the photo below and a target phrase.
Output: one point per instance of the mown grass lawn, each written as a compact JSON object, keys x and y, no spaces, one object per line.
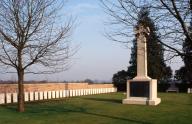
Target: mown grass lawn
{"x":175,"y":108}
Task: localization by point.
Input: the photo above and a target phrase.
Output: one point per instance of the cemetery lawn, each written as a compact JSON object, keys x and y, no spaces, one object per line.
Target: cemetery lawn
{"x":175,"y":108}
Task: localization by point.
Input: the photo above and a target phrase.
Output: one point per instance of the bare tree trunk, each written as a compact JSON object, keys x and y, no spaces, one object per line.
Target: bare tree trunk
{"x":21,"y":91}
{"x":20,"y":73}
{"x":188,"y":65}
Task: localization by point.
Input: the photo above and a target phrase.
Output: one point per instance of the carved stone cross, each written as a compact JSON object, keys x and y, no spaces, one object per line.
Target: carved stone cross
{"x":142,"y":90}
{"x":141,"y":34}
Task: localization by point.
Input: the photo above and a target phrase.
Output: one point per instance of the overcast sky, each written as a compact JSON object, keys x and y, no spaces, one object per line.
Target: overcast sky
{"x":98,"y":58}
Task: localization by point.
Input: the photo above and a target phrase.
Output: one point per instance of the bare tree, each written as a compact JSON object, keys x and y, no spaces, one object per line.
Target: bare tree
{"x":32,"y":33}
{"x":172,"y":17}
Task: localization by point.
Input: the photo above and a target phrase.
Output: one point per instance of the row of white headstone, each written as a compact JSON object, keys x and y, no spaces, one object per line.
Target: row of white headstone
{"x":189,"y":90}
{"x":6,"y":98}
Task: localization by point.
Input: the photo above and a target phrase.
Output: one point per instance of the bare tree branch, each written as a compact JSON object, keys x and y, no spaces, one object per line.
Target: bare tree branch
{"x":172,"y":17}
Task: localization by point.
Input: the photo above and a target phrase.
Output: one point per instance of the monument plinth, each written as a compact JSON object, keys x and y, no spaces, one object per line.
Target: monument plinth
{"x":142,"y":89}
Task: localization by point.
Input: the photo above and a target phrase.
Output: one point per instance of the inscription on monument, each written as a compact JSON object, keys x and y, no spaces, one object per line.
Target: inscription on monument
{"x":139,"y":89}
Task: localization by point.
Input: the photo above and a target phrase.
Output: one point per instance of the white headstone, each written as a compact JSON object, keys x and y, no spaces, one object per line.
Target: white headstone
{"x":73,"y":91}
{"x":188,"y":90}
{"x":26,"y":96}
{"x":36,"y":96}
{"x":97,"y":91}
{"x":88,"y":91}
{"x":80,"y":92}
{"x":85,"y":91}
{"x":31,"y":96}
{"x":76,"y":92}
{"x":68,"y":93}
{"x":64,"y":93}
{"x":61,"y":94}
{"x":2,"y":98}
{"x":40,"y":95}
{"x":91,"y":91}
{"x":49,"y":94}
{"x":53,"y":94}
{"x":57,"y":94}
{"x":45,"y":95}
{"x":14,"y":97}
{"x":8,"y":96}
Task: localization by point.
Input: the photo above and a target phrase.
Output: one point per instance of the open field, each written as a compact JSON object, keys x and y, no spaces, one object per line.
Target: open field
{"x":101,"y":109}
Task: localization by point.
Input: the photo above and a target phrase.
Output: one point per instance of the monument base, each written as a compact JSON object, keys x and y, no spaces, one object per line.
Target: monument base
{"x":142,"y":91}
{"x":141,"y":101}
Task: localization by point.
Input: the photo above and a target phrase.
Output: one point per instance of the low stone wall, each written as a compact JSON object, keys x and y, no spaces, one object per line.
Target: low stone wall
{"x":36,"y":92}
{"x":12,"y":88}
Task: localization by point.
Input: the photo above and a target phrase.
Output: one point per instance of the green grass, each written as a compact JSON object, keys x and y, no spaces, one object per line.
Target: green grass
{"x":102,"y":109}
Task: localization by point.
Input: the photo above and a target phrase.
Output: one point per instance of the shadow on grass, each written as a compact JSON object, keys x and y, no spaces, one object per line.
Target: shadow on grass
{"x":105,"y":100}
{"x":115,"y":117}
{"x":189,"y":104}
{"x":66,"y":109}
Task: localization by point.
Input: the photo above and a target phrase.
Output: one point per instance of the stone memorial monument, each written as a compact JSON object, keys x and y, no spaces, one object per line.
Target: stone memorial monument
{"x":142,"y":89}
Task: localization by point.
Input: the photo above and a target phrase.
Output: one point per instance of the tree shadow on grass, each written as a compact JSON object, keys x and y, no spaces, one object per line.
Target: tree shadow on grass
{"x":66,"y":109}
{"x":116,"y":118}
{"x":189,"y":104}
{"x":105,"y":100}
